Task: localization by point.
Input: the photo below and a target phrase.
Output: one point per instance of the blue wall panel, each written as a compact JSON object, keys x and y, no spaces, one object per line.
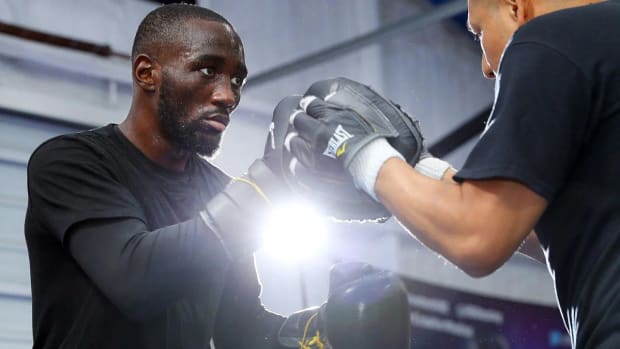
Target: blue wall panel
{"x":19,"y":136}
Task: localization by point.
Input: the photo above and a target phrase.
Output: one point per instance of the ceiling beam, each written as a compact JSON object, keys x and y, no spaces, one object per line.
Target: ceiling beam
{"x":406,"y":24}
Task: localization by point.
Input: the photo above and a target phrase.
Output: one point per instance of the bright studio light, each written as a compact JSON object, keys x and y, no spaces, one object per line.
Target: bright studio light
{"x":294,"y":231}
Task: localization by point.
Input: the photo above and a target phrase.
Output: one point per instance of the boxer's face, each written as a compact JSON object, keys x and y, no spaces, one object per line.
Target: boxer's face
{"x":493,"y":23}
{"x":202,"y":76}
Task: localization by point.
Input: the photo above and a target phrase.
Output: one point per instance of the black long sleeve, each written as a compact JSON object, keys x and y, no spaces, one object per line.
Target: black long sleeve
{"x":116,"y":243}
{"x":142,"y":272}
{"x":242,"y":321}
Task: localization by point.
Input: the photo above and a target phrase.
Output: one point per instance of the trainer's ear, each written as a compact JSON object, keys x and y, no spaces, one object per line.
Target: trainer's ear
{"x":146,"y":72}
{"x":521,"y":11}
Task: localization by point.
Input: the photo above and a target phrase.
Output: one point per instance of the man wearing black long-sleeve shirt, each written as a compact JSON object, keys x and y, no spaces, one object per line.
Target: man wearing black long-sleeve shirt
{"x":136,"y":267}
{"x":136,"y":241}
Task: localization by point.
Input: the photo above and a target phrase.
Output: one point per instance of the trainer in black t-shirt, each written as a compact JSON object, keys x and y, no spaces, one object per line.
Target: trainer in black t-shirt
{"x":112,"y":285}
{"x":555,"y":127}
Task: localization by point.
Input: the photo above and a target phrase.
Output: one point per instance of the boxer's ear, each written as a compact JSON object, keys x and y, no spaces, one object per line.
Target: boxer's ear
{"x":146,"y":72}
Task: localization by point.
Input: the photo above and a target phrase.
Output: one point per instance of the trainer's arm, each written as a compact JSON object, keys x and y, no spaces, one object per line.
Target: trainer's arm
{"x":476,"y":225}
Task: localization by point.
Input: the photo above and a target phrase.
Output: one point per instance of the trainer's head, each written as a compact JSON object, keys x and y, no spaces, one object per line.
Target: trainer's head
{"x":188,"y":68}
{"x":493,"y":22}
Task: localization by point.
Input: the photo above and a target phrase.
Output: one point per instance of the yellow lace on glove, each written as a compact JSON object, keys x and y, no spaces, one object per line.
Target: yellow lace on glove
{"x":314,"y":342}
{"x":253,"y":185}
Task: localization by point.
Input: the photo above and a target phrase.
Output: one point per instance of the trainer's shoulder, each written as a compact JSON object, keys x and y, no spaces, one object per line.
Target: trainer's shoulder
{"x":571,"y":27}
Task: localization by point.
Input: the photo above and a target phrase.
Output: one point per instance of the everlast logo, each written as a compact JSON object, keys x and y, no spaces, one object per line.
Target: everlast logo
{"x":336,"y":145}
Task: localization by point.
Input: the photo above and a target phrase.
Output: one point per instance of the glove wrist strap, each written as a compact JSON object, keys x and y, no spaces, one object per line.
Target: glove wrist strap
{"x":432,"y":167}
{"x":365,"y":166}
{"x":235,"y":213}
{"x":303,"y":330}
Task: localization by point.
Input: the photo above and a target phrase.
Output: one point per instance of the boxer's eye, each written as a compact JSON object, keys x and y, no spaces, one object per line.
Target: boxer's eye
{"x":237,"y":81}
{"x":209,"y":72}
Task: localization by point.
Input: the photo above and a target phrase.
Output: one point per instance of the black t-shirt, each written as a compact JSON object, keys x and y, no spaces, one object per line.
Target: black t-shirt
{"x":555,"y":126}
{"x":120,"y":259}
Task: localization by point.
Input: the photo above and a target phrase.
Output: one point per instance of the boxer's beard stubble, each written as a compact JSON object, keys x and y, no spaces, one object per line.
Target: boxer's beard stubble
{"x":187,"y":135}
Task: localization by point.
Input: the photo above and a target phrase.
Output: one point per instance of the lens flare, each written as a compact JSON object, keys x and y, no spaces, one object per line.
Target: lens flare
{"x":294,"y":231}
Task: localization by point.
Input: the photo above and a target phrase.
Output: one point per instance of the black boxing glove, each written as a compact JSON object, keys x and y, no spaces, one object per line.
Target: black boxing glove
{"x":236,"y":213}
{"x":366,"y":309}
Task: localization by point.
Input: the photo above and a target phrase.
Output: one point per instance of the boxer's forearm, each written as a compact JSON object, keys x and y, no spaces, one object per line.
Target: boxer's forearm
{"x":142,"y":272}
{"x":477,"y":225}
{"x":242,"y":321}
